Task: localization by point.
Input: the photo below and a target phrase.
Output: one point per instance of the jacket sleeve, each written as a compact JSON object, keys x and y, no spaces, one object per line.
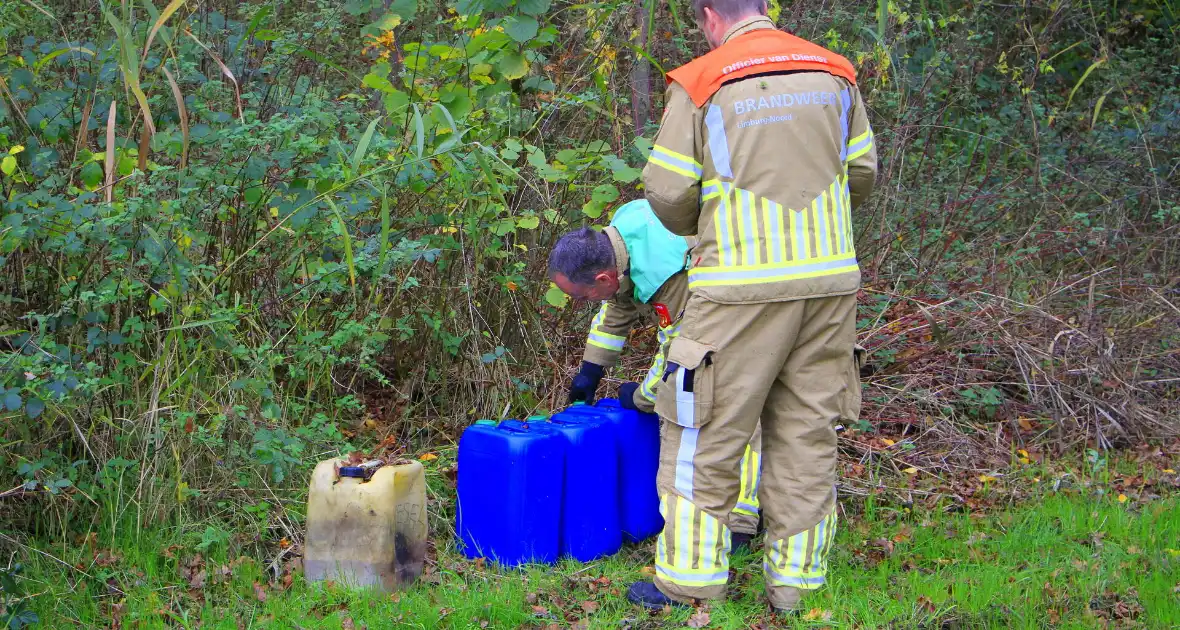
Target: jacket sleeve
{"x":608,"y":331}
{"x":672,"y":176}
{"x":862,"y":153}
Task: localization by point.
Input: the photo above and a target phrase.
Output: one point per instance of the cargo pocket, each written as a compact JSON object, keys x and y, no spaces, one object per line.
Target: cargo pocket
{"x":850,"y":403}
{"x":685,"y":393}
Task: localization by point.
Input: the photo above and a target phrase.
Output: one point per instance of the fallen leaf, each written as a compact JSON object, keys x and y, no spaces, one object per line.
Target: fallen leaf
{"x":480,"y":563}
{"x":910,"y":471}
{"x":986,"y":478}
{"x":589,"y":607}
{"x":1169,"y":471}
{"x":699,"y":619}
{"x":540,"y":611}
{"x":483,"y":624}
{"x":581,"y":625}
{"x":429,"y":457}
{"x":1122,"y":498}
{"x":531,"y":598}
{"x":648,"y":570}
{"x":817,"y":614}
{"x":888,"y":442}
{"x":925,"y":604}
{"x":259,"y":592}
{"x":1025,"y":424}
{"x":347,"y":624}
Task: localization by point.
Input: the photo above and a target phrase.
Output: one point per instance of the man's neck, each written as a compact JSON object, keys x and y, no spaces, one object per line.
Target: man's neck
{"x":745,"y":25}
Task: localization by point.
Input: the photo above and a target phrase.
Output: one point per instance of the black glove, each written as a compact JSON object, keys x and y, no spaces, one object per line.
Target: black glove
{"x":627,"y":395}
{"x":586,"y":382}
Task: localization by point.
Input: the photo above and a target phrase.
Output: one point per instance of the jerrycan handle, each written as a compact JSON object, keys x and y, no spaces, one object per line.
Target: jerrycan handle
{"x":364,"y":472}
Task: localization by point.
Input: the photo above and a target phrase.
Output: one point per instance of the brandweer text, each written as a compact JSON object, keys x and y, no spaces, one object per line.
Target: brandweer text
{"x":784,"y":100}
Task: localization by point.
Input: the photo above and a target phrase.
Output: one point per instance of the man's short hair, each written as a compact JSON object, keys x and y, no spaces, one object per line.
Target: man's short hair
{"x":581,"y":255}
{"x":730,"y":10}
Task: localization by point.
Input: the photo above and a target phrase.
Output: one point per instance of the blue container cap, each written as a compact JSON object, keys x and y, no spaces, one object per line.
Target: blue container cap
{"x":486,"y":423}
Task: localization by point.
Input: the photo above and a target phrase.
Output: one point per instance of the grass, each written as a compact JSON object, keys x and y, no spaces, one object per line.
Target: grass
{"x":1070,"y":561}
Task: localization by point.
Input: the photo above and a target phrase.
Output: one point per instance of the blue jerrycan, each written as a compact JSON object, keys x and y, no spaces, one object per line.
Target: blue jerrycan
{"x":590,"y":516}
{"x":638,"y":436}
{"x":509,"y":492}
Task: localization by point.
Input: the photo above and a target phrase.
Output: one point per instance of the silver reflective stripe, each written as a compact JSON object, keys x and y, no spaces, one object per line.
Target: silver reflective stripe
{"x":701,"y":274}
{"x":684,"y":467}
{"x":821,"y":230}
{"x":845,"y":105}
{"x":838,"y":200}
{"x":774,"y":221}
{"x":718,"y":145}
{"x":719,"y":576}
{"x":674,"y":160}
{"x":778,"y":579}
{"x":748,"y":207}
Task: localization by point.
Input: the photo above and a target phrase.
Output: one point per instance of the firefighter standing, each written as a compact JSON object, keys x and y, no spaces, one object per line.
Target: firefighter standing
{"x":763,"y":152}
{"x":637,"y":268}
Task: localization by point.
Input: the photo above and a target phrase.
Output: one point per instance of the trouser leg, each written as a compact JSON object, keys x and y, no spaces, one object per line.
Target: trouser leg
{"x":744,"y":517}
{"x":719,"y":371}
{"x":811,"y":394}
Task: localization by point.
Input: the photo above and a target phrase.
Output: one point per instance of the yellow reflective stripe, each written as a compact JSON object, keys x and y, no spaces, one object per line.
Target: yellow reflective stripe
{"x":860,"y":145}
{"x":684,"y":160}
{"x":654,"y":159}
{"x":710,"y":189}
{"x":846,"y":202}
{"x":833,"y":224}
{"x":778,"y":278}
{"x":728,"y":245}
{"x":862,"y":137}
{"x":684,"y":544}
{"x":648,"y":388}
{"x":605,"y":346}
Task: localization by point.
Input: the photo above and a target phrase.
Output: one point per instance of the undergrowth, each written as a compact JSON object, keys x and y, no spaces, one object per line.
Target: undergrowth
{"x":238,"y":238}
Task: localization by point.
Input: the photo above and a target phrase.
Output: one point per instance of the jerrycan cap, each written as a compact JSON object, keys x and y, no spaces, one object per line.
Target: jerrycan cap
{"x":486,"y":423}
{"x":536,"y":418}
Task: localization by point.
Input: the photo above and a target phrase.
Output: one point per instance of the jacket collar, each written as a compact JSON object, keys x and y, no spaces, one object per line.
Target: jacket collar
{"x":622,"y":260}
{"x":755,"y":23}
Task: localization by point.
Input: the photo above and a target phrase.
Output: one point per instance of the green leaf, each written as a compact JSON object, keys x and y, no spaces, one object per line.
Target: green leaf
{"x":357,"y":7}
{"x":34,"y":407}
{"x":533,"y":7}
{"x":556,"y":297}
{"x":521,"y":28}
{"x":512,"y":65}
{"x":12,"y":400}
{"x":598,"y":146}
{"x":267,"y":35}
{"x":620,"y":170}
{"x":91,"y":175}
{"x":501,"y":227}
{"x":605,"y":193}
{"x":378,"y":82}
{"x":362,"y":147}
{"x":395,"y":102}
{"x":528,"y":222}
{"x":8,"y":165}
{"x":419,"y":133}
{"x":406,"y":9}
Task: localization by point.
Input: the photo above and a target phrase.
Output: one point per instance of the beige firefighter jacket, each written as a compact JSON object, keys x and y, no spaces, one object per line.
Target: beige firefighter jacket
{"x":766,"y":173}
{"x":616,"y":317}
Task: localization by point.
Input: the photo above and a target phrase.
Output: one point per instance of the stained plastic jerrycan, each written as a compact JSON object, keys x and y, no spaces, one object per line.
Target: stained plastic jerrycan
{"x":639,"y":460}
{"x":366,"y":526}
{"x":590,"y":514}
{"x":509,"y":492}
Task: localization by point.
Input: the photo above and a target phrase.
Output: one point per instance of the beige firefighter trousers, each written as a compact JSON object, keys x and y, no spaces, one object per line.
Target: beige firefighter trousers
{"x":791,"y":364}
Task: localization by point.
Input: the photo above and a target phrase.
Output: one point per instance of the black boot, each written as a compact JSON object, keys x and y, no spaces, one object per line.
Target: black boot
{"x":647,"y":595}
